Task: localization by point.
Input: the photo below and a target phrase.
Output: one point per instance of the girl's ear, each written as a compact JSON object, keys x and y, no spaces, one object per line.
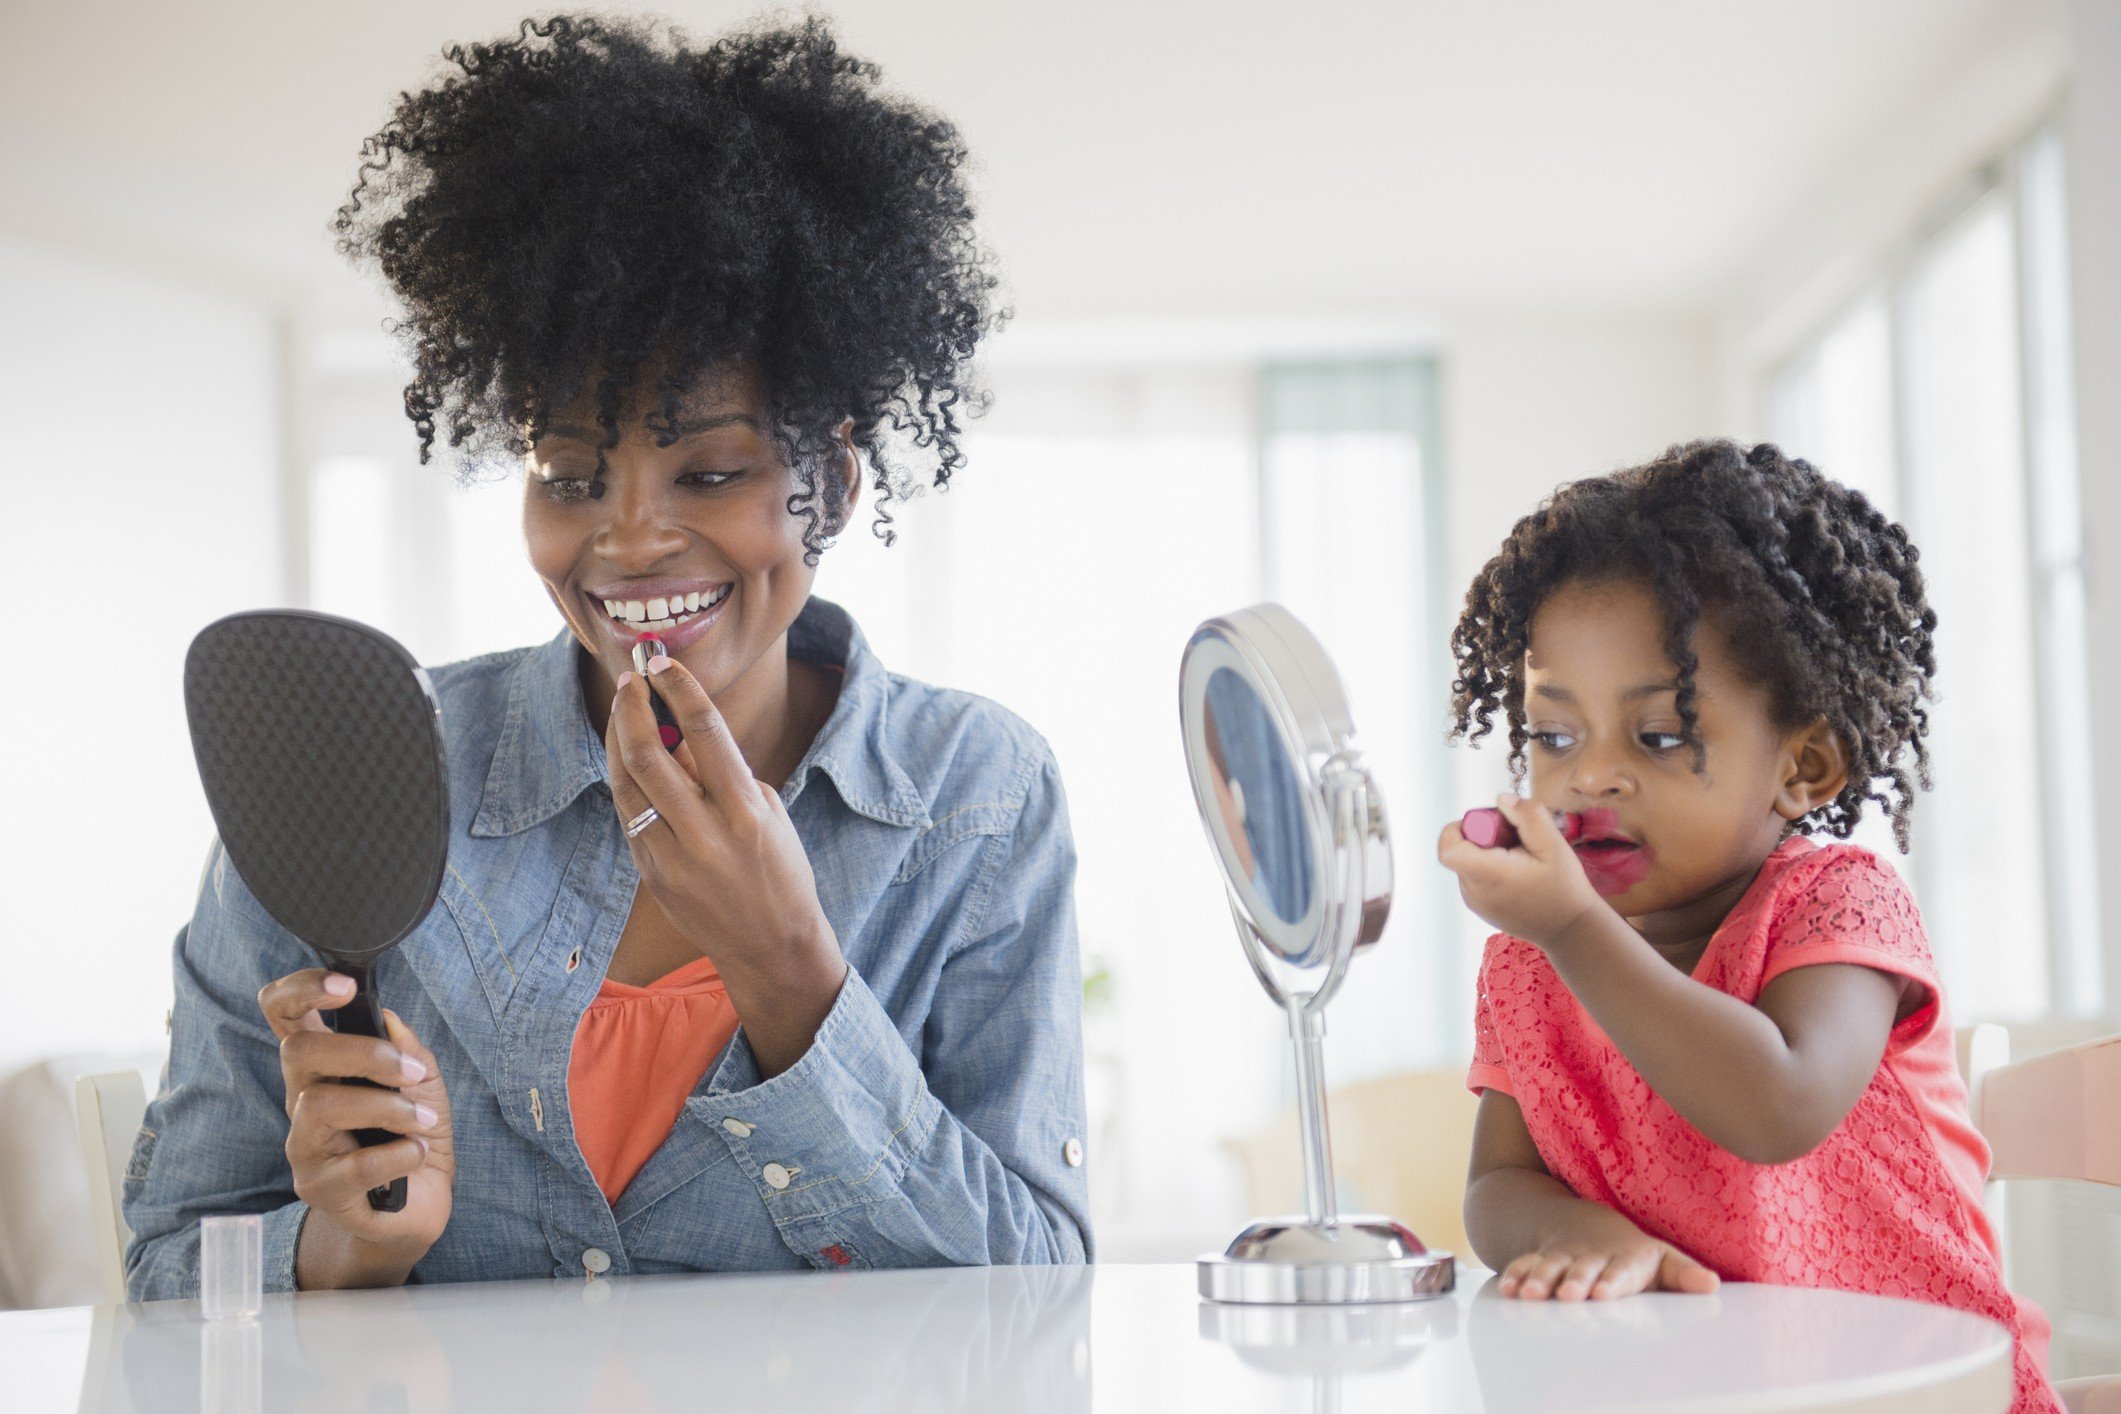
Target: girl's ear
{"x":1815,"y":769}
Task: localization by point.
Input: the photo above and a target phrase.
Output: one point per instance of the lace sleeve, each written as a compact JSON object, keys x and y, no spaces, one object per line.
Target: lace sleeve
{"x":1489,"y":1070}
{"x":1853,"y":909}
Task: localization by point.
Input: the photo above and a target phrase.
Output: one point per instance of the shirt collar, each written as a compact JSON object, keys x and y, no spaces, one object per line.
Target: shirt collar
{"x":548,"y":753}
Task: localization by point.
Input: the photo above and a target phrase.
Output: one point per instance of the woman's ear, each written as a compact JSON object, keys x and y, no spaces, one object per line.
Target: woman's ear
{"x":1815,"y":769}
{"x":847,"y":465}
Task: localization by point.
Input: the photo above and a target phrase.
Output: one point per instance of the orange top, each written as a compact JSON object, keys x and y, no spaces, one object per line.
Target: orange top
{"x":637,"y":1056}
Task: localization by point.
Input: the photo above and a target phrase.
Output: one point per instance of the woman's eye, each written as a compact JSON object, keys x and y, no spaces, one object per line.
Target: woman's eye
{"x":708,"y":480}
{"x":566,"y":489}
{"x":1663,"y":741}
{"x":1553,"y":741}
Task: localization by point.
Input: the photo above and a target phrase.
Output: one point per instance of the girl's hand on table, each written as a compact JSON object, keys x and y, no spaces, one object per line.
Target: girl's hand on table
{"x":724,"y":863}
{"x":332,"y":1172}
{"x":1606,"y":1257}
{"x":1534,"y":889}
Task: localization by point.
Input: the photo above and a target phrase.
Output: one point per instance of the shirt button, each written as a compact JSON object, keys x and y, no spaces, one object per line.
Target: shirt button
{"x":1072,"y":1151}
{"x":737,"y":1127}
{"x":776,"y":1175}
{"x":596,"y":1259}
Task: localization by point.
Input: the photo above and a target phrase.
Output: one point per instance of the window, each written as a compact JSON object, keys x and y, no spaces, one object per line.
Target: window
{"x":1943,"y":394}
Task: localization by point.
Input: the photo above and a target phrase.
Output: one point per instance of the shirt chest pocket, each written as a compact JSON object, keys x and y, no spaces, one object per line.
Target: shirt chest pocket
{"x":951,"y":830}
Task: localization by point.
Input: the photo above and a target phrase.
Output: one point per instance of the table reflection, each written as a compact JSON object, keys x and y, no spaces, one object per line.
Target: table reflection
{"x":1002,"y":1338}
{"x":1320,"y":1346}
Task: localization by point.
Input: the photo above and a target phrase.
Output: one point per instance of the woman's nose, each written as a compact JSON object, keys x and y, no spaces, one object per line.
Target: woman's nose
{"x":638,"y":528}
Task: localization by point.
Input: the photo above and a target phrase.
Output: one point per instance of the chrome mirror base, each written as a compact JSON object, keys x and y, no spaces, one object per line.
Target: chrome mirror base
{"x":1353,"y":1261}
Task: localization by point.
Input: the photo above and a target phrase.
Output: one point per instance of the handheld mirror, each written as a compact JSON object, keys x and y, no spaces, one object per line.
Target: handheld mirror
{"x":1298,"y":827}
{"x":319,"y":742}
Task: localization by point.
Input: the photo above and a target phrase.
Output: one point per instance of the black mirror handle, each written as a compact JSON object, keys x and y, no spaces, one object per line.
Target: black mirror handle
{"x":363,"y":1017}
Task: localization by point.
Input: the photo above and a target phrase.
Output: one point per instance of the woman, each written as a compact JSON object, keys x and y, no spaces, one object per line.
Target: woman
{"x":801,"y":992}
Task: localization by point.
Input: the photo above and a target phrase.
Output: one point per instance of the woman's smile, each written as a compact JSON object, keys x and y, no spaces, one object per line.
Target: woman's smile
{"x":679,"y":611}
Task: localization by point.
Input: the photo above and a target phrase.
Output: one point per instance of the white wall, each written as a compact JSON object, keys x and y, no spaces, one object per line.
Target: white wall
{"x":1531,"y":402}
{"x":141,"y":503}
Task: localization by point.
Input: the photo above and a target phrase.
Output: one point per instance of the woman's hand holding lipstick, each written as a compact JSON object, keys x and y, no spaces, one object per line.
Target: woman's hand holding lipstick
{"x":723,"y":862}
{"x":1533,"y":889}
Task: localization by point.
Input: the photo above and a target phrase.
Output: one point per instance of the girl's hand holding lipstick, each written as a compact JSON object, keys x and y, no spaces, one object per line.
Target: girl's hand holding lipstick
{"x":1534,"y":889}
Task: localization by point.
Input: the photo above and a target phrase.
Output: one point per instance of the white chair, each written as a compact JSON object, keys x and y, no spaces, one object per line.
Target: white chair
{"x":2056,"y":1115}
{"x":108,"y":1109}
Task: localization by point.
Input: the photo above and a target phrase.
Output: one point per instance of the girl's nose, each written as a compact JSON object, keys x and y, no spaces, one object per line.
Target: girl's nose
{"x":1601,"y":774}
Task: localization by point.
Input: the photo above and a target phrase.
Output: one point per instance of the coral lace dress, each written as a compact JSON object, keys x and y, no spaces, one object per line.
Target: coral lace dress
{"x":1889,"y":1204}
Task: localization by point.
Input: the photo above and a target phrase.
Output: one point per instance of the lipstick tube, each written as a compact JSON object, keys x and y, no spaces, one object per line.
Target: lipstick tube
{"x":1491,"y":829}
{"x":647,"y":646}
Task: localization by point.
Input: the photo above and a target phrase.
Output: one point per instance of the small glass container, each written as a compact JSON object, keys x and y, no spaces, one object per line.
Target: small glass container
{"x":231,"y":1266}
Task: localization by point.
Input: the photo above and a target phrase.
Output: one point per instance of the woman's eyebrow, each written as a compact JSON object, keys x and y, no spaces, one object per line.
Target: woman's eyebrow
{"x":687,"y":427}
{"x":708,"y":423}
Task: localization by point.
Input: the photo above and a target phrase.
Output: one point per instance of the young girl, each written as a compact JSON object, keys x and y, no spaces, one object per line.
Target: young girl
{"x":1707,"y":1047}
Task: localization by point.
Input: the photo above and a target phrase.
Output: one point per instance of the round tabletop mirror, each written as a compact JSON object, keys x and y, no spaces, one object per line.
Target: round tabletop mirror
{"x":1297,"y":825}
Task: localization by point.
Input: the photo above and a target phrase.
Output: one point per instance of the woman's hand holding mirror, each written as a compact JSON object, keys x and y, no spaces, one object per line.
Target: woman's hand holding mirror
{"x":345,"y":1241}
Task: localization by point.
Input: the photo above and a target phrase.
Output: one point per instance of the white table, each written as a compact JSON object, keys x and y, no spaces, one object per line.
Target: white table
{"x":1111,"y":1339}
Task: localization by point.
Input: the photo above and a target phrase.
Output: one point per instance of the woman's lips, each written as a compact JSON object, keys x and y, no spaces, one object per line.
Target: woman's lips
{"x":675,"y":639}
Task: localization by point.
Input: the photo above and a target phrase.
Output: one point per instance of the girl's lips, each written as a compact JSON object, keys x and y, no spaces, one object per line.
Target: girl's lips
{"x":1614,"y":866}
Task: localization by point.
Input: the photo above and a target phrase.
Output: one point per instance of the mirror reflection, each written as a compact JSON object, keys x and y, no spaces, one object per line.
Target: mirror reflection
{"x":1259,"y":796}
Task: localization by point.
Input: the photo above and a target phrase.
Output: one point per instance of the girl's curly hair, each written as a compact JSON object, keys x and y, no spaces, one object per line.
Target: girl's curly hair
{"x":1818,"y":592}
{"x":593,"y":202}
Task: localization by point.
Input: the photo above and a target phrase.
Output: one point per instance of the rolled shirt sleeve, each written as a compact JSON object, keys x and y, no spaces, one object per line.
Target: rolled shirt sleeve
{"x":970,"y":1153}
{"x":213,"y":1138}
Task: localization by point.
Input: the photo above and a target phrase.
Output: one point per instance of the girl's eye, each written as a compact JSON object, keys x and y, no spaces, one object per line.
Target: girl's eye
{"x":1553,"y":741}
{"x":708,"y":480}
{"x":1663,"y":741}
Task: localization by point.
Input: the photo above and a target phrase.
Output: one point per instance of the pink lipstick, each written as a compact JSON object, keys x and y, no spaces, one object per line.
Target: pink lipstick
{"x":1613,"y":862}
{"x":1491,"y":829}
{"x":648,"y":646}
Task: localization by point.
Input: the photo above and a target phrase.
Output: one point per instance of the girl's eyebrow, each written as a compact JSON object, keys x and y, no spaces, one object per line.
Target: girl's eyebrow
{"x":1648,"y":689}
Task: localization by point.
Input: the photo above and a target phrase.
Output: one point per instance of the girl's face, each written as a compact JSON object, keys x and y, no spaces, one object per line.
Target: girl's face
{"x":694,"y":540}
{"x":1679,"y":846}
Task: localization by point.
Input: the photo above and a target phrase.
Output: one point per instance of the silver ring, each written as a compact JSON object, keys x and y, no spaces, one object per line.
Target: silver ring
{"x":641,"y":822}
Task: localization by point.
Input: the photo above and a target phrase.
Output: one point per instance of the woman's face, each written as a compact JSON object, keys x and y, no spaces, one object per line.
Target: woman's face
{"x":693,"y":541}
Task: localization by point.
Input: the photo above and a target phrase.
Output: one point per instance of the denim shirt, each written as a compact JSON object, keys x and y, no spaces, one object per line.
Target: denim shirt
{"x":936,"y":1119}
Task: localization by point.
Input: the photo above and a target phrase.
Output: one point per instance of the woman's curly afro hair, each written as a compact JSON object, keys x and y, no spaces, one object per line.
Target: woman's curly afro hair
{"x":594,"y":202}
{"x":1817,"y":591}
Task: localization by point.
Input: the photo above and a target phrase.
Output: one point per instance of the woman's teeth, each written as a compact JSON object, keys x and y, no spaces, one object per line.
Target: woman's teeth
{"x":659,"y":615}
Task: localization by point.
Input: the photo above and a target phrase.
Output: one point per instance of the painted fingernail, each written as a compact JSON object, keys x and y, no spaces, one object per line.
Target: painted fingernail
{"x":423,"y":1114}
{"x":411,"y":1068}
{"x":659,"y":662}
{"x":339,"y":986}
{"x":624,"y":678}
